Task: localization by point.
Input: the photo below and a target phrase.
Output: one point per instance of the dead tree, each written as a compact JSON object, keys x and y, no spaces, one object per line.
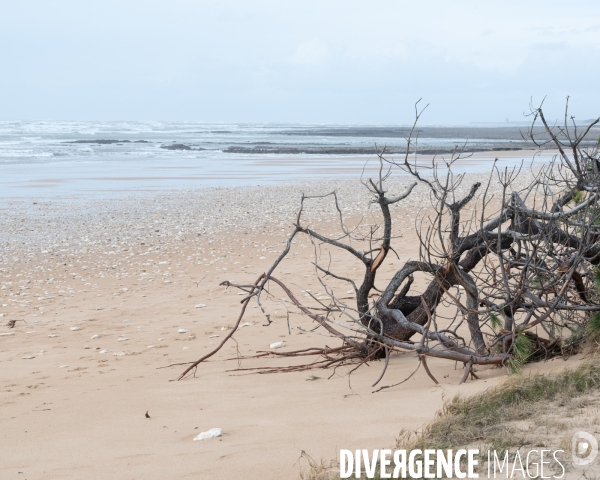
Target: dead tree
{"x":528,"y":257}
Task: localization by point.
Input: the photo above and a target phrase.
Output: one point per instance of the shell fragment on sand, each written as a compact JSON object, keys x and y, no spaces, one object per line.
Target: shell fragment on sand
{"x":182,"y":330}
{"x":212,"y":433}
{"x":53,"y":335}
{"x":9,"y":333}
{"x":277,"y":345}
{"x":104,"y":351}
{"x":74,"y":329}
{"x":28,"y":357}
{"x":201,"y":305}
{"x":93,"y":337}
{"x":122,"y":339}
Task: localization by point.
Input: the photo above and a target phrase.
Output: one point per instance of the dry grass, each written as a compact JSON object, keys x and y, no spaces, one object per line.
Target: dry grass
{"x":319,"y":470}
{"x":482,"y":417}
{"x":524,"y":412}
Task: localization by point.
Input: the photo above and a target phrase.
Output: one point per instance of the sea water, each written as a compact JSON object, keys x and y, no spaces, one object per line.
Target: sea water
{"x":50,"y":158}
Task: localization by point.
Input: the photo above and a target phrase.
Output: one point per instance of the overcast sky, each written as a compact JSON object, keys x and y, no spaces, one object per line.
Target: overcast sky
{"x":296,"y":61}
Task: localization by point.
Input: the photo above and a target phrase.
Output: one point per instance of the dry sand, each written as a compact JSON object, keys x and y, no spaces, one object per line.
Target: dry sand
{"x":123,"y":276}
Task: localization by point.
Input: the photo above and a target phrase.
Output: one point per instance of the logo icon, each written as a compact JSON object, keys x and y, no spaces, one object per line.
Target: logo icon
{"x":584,"y":448}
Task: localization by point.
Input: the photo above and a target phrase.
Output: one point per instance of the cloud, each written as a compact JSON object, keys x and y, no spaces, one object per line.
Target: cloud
{"x":310,"y":52}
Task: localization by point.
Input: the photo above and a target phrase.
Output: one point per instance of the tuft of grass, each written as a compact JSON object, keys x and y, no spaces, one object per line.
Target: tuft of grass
{"x":578,"y":197}
{"x":577,"y":334}
{"x":593,"y":326}
{"x":464,"y":421}
{"x":536,"y":283}
{"x":495,"y":322}
{"x":312,"y":378}
{"x":522,"y":349}
{"x":319,"y":470}
{"x":597,"y":277}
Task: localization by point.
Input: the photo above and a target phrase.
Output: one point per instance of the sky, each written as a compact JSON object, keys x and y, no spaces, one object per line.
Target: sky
{"x":300,"y":61}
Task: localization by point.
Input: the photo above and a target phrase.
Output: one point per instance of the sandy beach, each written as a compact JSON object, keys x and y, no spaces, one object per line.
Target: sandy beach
{"x":283,"y":240}
{"x":108,"y":292}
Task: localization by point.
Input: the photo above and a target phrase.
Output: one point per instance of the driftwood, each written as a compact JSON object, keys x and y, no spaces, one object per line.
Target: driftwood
{"x":524,"y":258}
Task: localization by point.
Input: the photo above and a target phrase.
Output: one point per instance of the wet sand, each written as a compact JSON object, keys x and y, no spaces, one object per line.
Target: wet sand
{"x":111,"y":179}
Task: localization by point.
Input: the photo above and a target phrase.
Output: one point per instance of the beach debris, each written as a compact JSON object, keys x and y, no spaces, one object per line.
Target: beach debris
{"x":213,"y":336}
{"x":200,"y":305}
{"x":87,"y":347}
{"x":122,"y":339}
{"x":74,"y":329}
{"x":53,"y":335}
{"x":147,"y":415}
{"x":182,"y":330}
{"x":212,"y":433}
{"x":9,"y":333}
{"x":28,"y":357}
{"x":119,"y":354}
{"x":151,"y":346}
{"x":104,"y":351}
{"x":12,"y":323}
{"x":126,"y":321}
{"x":247,"y":324}
{"x":94,"y":337}
{"x":277,"y":345}
{"x":63,"y":366}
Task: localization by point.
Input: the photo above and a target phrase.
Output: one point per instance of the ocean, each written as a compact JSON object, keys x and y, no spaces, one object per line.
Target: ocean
{"x":49,"y":158}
